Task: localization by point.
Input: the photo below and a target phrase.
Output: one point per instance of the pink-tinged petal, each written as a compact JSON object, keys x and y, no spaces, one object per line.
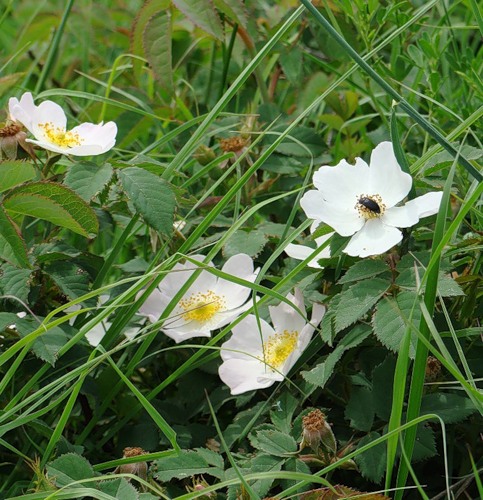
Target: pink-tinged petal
{"x":405,"y":216}
{"x":243,"y":375}
{"x":427,"y":204}
{"x":342,"y":184}
{"x":373,"y":239}
{"x":343,"y":217}
{"x":246,"y":340}
{"x":285,"y":317}
{"x":386,"y":177}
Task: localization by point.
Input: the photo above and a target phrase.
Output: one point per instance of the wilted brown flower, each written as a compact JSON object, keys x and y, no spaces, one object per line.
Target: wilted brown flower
{"x":433,"y":369}
{"x":317,"y":433}
{"x":138,"y":468}
{"x":233,"y":144}
{"x":12,"y":135}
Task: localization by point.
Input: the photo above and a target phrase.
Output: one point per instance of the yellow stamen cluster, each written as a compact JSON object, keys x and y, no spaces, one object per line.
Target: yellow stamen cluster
{"x":365,"y":211}
{"x":278,"y":348}
{"x":202,"y":306}
{"x":59,"y":136}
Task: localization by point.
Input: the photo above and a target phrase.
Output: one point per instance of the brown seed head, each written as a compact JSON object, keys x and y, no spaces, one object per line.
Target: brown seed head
{"x":317,"y":433}
{"x":233,"y":144}
{"x":433,"y":369}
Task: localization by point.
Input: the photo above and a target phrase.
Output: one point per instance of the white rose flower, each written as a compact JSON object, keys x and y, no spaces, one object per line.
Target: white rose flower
{"x":256,"y":358}
{"x":361,"y":201}
{"x":47,"y":123}
{"x":208,"y":304}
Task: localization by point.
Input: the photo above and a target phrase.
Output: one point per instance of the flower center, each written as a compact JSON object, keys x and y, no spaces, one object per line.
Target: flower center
{"x":278,"y":348}
{"x":59,"y":136}
{"x":370,"y":206}
{"x":202,"y":306}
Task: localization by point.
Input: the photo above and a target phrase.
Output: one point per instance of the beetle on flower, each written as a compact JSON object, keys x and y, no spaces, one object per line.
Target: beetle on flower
{"x":47,"y":122}
{"x":256,"y":357}
{"x":362,"y":201}
{"x":209,"y":303}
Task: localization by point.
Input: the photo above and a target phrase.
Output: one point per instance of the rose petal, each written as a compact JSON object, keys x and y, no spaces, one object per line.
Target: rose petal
{"x":386,"y":177}
{"x":427,"y":204}
{"x":405,"y":216}
{"x":373,"y":239}
{"x":285,"y":317}
{"x":243,"y":375}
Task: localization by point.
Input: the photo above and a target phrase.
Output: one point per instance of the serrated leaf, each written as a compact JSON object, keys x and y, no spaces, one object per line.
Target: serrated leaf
{"x":382,"y":387}
{"x":15,"y":172}
{"x":151,"y":196}
{"x":234,"y":9}
{"x":71,"y":279}
{"x":391,"y":320}
{"x":356,"y":301}
{"x":251,"y":243}
{"x":274,"y":443}
{"x":366,"y":268}
{"x":88,"y":179}
{"x":292,"y":64}
{"x":372,"y":463}
{"x":282,"y":412}
{"x":119,"y":488}
{"x":15,"y":282}
{"x":425,"y":444}
{"x":203,"y":14}
{"x":157,"y":47}
{"x":148,"y":10}
{"x":360,"y":409}
{"x":55,"y":203}
{"x":12,"y":245}
{"x":66,"y":469}
{"x":48,"y":344}
{"x":450,"y":407}
{"x":186,"y":464}
{"x":321,"y":373}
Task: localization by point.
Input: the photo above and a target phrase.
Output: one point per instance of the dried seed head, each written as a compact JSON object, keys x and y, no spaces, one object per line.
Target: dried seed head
{"x":12,"y":135}
{"x":317,"y":433}
{"x":433,"y":369}
{"x":233,"y":144}
{"x":138,"y":468}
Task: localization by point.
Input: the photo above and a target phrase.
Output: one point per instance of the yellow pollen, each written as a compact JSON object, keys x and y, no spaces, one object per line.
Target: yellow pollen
{"x":370,"y":206}
{"x":59,"y":136}
{"x":202,"y":306}
{"x":278,"y":348}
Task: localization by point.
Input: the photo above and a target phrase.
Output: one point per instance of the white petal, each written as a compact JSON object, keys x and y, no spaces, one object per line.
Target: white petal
{"x":153,"y":306}
{"x":241,"y":266}
{"x":180,"y":335}
{"x":285,"y":317}
{"x":343,"y":217}
{"x":428,"y":204}
{"x":405,"y":216}
{"x":386,"y":177}
{"x":243,"y":375}
{"x":96,"y":333}
{"x":226,"y":317}
{"x":373,"y":239}
{"x":301,"y":252}
{"x":343,"y":183}
{"x":22,"y":111}
{"x":318,"y":312}
{"x":48,"y":112}
{"x":177,"y":277}
{"x":246,"y":340}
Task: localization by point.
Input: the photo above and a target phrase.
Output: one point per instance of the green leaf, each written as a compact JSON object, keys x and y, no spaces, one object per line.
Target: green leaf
{"x":203,"y":14}
{"x":14,"y":281}
{"x":151,"y":196}
{"x":391,"y":320}
{"x":68,"y":468}
{"x":292,"y":64}
{"x":157,"y":47}
{"x":71,"y":279}
{"x":274,"y":442}
{"x":282,"y":412}
{"x":186,"y":464}
{"x":88,"y":179}
{"x":54,"y":203}
{"x":234,"y":9}
{"x":450,"y":407}
{"x":307,"y":143}
{"x":148,"y":10}
{"x":15,"y":172}
{"x":356,"y":301}
{"x":367,"y":268}
{"x":360,"y":409}
{"x":382,"y":387}
{"x":12,"y":245}
{"x":372,"y":463}
{"x":251,"y":243}
{"x":321,"y":373}
{"x":119,"y":488}
{"x":425,"y":445}
{"x":48,"y":344}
